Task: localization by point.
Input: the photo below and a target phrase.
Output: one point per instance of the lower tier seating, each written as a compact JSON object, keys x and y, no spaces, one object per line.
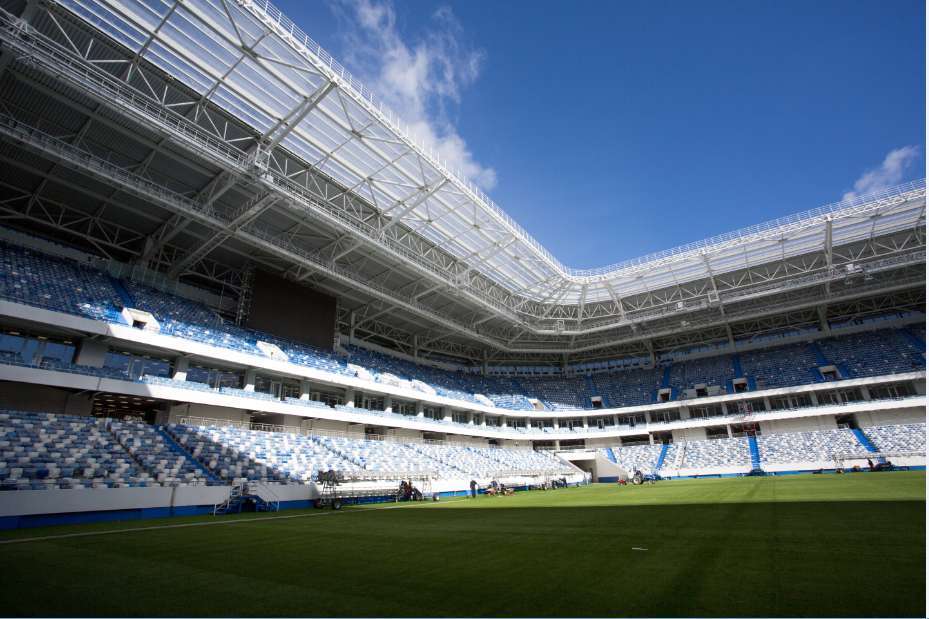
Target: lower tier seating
{"x":41,"y":451}
{"x":903,"y":437}
{"x":719,"y":454}
{"x":637,"y":457}
{"x":806,"y":450}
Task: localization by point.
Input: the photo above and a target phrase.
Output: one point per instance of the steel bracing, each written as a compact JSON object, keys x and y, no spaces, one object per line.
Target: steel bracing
{"x":195,"y":138}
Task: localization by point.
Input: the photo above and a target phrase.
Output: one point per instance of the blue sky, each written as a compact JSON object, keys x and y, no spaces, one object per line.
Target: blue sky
{"x":610,"y":130}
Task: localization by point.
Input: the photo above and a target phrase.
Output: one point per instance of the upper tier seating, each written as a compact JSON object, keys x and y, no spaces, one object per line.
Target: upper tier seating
{"x":637,"y":457}
{"x":258,"y":456}
{"x":709,"y":370}
{"x":725,"y":453}
{"x":569,"y":393}
{"x":629,"y":387}
{"x":41,"y":451}
{"x":42,"y":280}
{"x":903,"y":437}
{"x":805,"y":450}
{"x":872,"y":353}
{"x":918,"y":329}
{"x":61,"y":285}
{"x":781,"y":366}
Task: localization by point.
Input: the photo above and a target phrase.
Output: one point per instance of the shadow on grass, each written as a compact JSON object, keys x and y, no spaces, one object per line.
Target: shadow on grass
{"x":723,"y":559}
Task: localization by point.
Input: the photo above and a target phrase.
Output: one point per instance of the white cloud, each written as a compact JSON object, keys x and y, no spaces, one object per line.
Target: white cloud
{"x":420,"y":80}
{"x":886,"y":175}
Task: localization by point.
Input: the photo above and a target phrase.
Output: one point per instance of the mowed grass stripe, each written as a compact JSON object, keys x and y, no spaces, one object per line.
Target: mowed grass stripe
{"x":749,"y":547}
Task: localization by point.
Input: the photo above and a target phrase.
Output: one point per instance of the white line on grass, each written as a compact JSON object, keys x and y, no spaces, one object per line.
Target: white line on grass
{"x":203,"y":524}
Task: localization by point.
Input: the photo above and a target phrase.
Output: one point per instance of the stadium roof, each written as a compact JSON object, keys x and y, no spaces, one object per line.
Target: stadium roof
{"x":217,"y":133}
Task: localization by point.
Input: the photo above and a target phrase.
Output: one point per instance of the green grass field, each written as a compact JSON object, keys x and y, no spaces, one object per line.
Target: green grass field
{"x":802,"y":545}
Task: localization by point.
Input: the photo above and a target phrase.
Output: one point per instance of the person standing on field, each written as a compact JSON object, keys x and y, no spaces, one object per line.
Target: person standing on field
{"x":473,"y":489}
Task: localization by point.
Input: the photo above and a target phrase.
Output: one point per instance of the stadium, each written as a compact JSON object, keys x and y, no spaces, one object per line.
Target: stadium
{"x":255,"y":332}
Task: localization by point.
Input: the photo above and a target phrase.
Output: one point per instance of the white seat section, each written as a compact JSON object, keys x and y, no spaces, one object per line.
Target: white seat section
{"x":382,"y":456}
{"x":719,"y":456}
{"x":637,"y":457}
{"x":901,"y":437}
{"x":162,"y":460}
{"x":233,"y":454}
{"x":40,"y":451}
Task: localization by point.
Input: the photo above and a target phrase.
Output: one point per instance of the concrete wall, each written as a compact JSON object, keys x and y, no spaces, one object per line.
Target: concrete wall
{"x":801,"y":424}
{"x":91,"y":352}
{"x":688,"y":434}
{"x":22,"y":502}
{"x":208,"y":411}
{"x":891,"y":417}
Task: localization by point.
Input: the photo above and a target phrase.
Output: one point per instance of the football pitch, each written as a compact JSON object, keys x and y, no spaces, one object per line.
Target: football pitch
{"x":801,"y":545}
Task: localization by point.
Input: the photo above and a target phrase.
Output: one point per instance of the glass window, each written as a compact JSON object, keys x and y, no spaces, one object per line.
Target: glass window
{"x":233,"y":381}
{"x":12,"y":343}
{"x":61,"y":352}
{"x":153,"y":367}
{"x":117,"y":361}
{"x":198,"y":375}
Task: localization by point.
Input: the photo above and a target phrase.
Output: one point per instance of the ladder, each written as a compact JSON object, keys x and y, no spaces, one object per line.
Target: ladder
{"x":747,"y":418}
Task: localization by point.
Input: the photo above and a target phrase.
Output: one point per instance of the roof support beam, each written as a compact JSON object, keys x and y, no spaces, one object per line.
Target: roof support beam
{"x":284,"y":126}
{"x":427,"y":192}
{"x":581,"y":303}
{"x":246,"y":214}
{"x":651,"y":351}
{"x":822,"y":313}
{"x":731,"y":339}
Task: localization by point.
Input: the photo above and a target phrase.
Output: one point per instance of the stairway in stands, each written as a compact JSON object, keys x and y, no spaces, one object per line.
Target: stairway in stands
{"x":175,"y":446}
{"x":660,"y":463}
{"x":609,"y":455}
{"x":121,"y":291}
{"x":866,"y":442}
{"x":756,"y":456}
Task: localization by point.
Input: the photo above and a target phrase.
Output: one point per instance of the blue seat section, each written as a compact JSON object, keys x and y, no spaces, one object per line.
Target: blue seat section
{"x":918,"y":329}
{"x":903,"y":437}
{"x":630,"y":387}
{"x":458,"y":385}
{"x":780,"y":366}
{"x":56,"y":365}
{"x":40,"y":451}
{"x":709,"y":370}
{"x":58,"y":284}
{"x":236,"y":454}
{"x":872,"y":353}
{"x":563,"y":394}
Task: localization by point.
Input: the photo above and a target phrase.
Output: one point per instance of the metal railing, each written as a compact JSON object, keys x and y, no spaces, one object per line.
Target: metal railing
{"x":238,"y":425}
